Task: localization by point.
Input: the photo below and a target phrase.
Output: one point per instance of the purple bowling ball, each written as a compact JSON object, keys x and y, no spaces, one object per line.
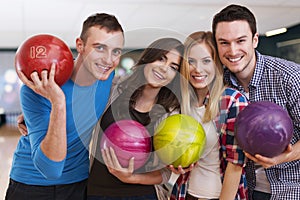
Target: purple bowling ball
{"x":263,"y":128}
{"x":129,"y":139}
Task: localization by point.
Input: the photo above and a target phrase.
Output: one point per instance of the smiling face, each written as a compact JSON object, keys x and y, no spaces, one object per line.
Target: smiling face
{"x":161,"y":72}
{"x":201,"y":66}
{"x":100,"y":53}
{"x":236,"y":46}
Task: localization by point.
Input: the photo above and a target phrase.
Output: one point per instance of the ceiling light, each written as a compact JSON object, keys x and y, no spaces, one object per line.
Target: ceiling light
{"x":276,"y":32}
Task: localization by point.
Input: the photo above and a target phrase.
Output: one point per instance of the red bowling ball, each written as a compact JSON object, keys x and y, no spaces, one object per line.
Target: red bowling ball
{"x":129,"y":139}
{"x":263,"y":128}
{"x":38,"y":52}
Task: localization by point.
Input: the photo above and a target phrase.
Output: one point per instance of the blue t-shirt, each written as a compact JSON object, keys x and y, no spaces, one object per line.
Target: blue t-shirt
{"x":84,"y":106}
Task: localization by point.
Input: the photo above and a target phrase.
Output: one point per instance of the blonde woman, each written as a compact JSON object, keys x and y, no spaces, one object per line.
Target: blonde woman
{"x":219,"y":174}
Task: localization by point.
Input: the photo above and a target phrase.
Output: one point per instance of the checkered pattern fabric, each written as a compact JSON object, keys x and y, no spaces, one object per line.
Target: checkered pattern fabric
{"x":231,"y":103}
{"x":276,"y":80}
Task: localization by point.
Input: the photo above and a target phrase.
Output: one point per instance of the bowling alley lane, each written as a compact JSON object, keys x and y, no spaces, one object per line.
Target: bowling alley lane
{"x":9,"y":136}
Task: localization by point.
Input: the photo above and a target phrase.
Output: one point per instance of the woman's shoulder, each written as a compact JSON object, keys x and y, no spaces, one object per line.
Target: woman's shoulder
{"x":233,"y":98}
{"x":233,"y":93}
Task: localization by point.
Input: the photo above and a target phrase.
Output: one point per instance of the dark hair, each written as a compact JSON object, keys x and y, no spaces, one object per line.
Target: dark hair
{"x":102,"y":20}
{"x":159,"y":48}
{"x":132,"y":87}
{"x":233,"y":13}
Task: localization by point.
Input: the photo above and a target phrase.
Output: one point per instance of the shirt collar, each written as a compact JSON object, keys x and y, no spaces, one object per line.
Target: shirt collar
{"x":258,"y":71}
{"x":257,"y":76}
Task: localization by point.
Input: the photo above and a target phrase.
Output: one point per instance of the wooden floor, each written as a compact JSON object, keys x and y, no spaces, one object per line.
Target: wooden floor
{"x":9,"y":136}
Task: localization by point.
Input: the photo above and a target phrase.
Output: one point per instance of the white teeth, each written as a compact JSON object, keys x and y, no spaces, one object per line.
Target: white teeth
{"x":234,"y":59}
{"x":200,"y":78}
{"x":103,"y":67}
{"x":158,"y":75}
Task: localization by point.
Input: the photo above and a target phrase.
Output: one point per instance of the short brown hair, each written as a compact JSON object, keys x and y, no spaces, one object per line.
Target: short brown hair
{"x":233,"y":13}
{"x":102,"y":20}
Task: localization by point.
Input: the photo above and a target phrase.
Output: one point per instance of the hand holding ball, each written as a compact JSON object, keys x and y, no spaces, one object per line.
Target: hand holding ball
{"x":38,"y":52}
{"x":129,"y":139}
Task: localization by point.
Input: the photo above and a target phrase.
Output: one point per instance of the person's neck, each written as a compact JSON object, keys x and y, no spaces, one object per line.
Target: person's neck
{"x":80,"y":75}
{"x":148,"y":98}
{"x":201,"y":95}
{"x":244,"y":77}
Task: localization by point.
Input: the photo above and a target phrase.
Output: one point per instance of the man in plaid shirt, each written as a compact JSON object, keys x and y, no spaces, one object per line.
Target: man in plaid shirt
{"x":261,"y":78}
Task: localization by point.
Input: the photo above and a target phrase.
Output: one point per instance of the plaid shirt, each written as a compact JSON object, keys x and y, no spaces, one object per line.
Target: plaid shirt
{"x":180,"y":187}
{"x":232,"y":102}
{"x":276,"y":80}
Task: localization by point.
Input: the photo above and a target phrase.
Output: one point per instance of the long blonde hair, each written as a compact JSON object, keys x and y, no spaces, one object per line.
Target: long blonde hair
{"x":216,"y":88}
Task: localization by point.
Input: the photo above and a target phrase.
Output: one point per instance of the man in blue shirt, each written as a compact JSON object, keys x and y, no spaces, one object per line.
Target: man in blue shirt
{"x":52,"y":162}
{"x":261,"y":78}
